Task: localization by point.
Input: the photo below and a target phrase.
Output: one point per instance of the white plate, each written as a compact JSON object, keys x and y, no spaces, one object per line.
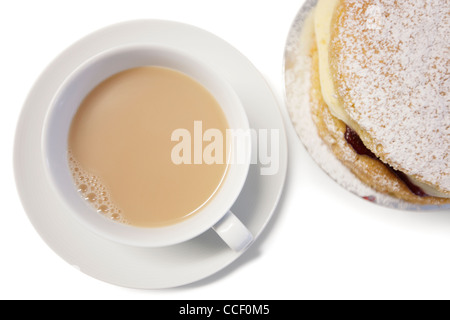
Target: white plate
{"x":296,"y":78}
{"x":137,"y":267}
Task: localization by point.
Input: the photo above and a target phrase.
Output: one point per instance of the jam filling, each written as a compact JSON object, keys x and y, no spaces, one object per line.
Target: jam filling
{"x":355,"y":141}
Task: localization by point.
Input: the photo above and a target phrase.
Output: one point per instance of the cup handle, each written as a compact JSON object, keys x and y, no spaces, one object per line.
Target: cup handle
{"x":233,"y":232}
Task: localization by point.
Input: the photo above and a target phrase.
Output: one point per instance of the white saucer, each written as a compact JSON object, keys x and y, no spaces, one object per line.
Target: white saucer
{"x":296,"y":75}
{"x":129,"y":266}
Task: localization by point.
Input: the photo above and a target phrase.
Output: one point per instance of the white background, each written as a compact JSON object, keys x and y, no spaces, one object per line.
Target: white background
{"x":323,"y":242}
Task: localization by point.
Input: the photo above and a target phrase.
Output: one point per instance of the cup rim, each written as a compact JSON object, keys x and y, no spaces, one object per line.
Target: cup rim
{"x":143,"y":236}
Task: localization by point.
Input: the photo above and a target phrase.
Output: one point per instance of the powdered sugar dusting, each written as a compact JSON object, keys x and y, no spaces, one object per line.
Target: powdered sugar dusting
{"x":394,"y":69}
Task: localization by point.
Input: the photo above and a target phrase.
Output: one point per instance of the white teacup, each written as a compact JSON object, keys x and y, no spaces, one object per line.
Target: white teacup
{"x":216,"y":214}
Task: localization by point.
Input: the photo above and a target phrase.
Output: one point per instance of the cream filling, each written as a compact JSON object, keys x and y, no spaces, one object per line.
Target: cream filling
{"x":322,"y":23}
{"x":323,"y":18}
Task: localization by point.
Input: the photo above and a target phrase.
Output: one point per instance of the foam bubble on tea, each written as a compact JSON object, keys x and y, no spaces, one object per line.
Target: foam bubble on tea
{"x":93,"y":190}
